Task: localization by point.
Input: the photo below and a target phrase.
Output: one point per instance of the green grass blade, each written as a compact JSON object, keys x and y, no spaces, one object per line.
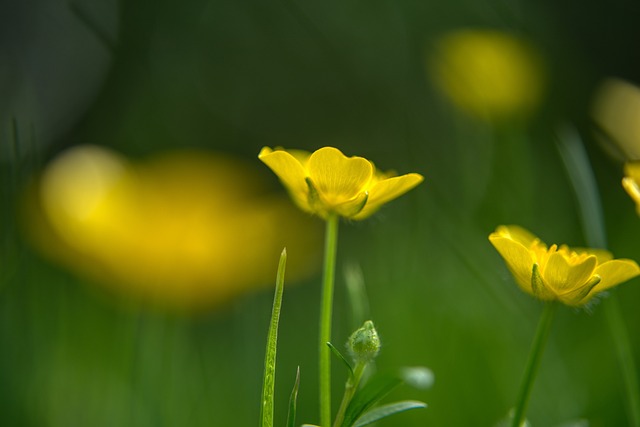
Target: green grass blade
{"x":268,"y":385}
{"x":387,"y":410}
{"x":293,"y":401}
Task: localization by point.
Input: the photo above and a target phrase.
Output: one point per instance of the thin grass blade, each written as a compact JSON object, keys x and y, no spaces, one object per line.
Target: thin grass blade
{"x":268,"y":384}
{"x":293,"y":401}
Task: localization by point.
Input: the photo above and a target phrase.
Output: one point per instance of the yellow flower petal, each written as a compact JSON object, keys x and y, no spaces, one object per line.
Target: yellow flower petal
{"x":337,"y":178}
{"x":582,"y":294}
{"x":386,"y":190}
{"x":353,"y":207}
{"x":517,"y":233}
{"x":290,"y":171}
{"x":615,"y":272}
{"x":518,"y":259}
{"x":562,"y":275}
{"x":603,"y":255}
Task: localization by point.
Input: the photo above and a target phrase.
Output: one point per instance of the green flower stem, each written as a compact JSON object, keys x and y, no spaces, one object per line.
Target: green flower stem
{"x":349,"y":390}
{"x":580,"y":173}
{"x":533,"y":363}
{"x":326,"y":310}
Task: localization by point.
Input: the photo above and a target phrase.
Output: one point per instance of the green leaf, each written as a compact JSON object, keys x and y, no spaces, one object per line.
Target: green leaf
{"x":268,"y":384}
{"x":375,"y":390}
{"x":291,"y":416}
{"x":339,"y":355}
{"x":387,"y":410}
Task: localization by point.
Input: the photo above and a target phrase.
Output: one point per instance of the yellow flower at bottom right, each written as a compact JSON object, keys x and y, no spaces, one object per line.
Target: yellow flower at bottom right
{"x":559,"y":273}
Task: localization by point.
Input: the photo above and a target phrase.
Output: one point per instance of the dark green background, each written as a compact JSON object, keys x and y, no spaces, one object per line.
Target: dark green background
{"x":143,"y":76}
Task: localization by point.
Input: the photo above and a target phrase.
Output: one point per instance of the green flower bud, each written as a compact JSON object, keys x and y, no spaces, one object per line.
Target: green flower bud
{"x":364,"y":344}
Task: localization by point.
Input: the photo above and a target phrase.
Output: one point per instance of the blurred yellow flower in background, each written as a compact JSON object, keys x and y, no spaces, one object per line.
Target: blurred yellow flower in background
{"x":182,"y":230}
{"x":616,"y":112}
{"x":571,"y":276}
{"x":328,"y":182}
{"x":488,"y":73}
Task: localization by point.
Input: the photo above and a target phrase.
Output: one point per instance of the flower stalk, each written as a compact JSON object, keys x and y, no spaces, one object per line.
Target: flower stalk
{"x":326,"y":311}
{"x":533,"y":363}
{"x":349,"y":390}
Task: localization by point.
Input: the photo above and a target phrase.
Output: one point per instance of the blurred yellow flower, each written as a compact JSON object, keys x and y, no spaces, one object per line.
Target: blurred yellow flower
{"x":571,"y":276}
{"x":616,"y":111}
{"x":327,"y":182}
{"x":183,"y":230}
{"x":488,"y":73}
{"x":631,"y":182}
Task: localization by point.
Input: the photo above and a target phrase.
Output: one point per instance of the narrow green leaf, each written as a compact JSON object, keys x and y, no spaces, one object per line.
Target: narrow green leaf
{"x":387,"y":410}
{"x":339,"y":355}
{"x":372,"y":392}
{"x":293,"y":401}
{"x":268,"y":384}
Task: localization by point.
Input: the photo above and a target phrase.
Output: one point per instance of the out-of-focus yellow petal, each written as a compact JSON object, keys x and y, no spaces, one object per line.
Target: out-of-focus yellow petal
{"x":616,"y":110}
{"x":290,"y":171}
{"x":386,"y":190}
{"x":631,"y":182}
{"x":338,"y":178}
{"x":562,"y":275}
{"x":632,"y":170}
{"x":615,"y":272}
{"x":517,"y":257}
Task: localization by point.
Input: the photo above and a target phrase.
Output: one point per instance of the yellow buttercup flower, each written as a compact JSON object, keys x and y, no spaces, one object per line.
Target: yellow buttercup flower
{"x":631,"y":182}
{"x":571,"y":276}
{"x":327,"y":182}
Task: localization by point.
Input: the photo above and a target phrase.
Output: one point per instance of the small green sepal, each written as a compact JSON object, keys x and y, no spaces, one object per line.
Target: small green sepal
{"x":339,"y":355}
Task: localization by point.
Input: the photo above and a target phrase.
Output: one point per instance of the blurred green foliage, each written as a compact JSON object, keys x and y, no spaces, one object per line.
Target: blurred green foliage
{"x":142,"y":76}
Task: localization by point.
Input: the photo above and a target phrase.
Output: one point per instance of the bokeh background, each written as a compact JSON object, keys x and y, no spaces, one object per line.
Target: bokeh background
{"x":140,"y":234}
